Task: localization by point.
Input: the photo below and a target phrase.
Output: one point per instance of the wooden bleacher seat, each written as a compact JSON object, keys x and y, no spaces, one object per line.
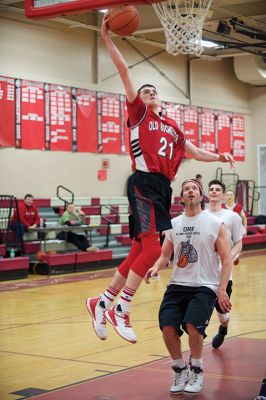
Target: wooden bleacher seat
{"x":55,"y":264}
{"x":79,"y":201}
{"x":2,"y":250}
{"x":251,"y":220}
{"x":114,"y":200}
{"x":125,"y":240}
{"x":258,"y":240}
{"x":31,"y":247}
{"x":14,"y":268}
{"x":86,"y":260}
{"x":114,"y":229}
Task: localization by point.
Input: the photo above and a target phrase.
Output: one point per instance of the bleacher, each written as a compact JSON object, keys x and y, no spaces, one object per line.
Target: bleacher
{"x":109,"y":216}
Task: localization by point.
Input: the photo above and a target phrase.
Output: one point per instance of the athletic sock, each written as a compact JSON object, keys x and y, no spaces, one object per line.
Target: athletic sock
{"x":180,"y":363}
{"x":123,"y":303}
{"x":108,"y":297}
{"x":197,"y":362}
{"x":223,"y":330}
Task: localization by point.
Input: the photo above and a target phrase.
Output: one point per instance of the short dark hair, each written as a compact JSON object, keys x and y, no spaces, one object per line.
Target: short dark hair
{"x":198,"y":176}
{"x":217,"y":182}
{"x":146,"y":85}
{"x":28,"y":195}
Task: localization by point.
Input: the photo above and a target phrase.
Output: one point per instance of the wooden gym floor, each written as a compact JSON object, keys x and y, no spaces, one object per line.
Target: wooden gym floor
{"x":50,"y":352}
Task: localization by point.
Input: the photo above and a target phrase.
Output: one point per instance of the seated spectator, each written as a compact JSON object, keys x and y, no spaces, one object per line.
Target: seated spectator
{"x":71,"y":217}
{"x":27,"y":219}
{"x":230,"y":204}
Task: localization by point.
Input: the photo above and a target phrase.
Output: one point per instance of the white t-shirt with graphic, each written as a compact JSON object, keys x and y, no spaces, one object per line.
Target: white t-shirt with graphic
{"x":196,"y":262}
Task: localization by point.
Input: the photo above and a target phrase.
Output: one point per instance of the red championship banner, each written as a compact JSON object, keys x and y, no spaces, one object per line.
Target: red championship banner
{"x":109,"y":123}
{"x":32,"y":115}
{"x":208,"y":139}
{"x":191,"y":128}
{"x":7,"y":112}
{"x":87,"y":135}
{"x":224,"y":132}
{"x":238,"y":137}
{"x":175,"y":111}
{"x":60,"y":118}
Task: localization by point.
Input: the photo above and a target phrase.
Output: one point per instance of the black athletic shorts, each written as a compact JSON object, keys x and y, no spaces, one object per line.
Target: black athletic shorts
{"x":229,"y":290}
{"x":185,"y":304}
{"x":149,"y":196}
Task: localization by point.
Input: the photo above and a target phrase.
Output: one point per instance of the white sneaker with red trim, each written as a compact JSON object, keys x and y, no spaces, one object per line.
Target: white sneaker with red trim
{"x":121,"y":323}
{"x":97,"y":312}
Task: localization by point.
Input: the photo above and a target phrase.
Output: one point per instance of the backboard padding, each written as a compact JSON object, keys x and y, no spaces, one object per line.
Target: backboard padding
{"x":52,"y":8}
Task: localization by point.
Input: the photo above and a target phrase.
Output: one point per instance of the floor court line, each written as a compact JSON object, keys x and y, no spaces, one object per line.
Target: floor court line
{"x":231,"y":373}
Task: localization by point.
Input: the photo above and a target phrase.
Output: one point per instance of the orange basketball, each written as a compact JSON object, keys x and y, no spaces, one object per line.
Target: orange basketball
{"x":123,"y":20}
{"x":41,"y":256}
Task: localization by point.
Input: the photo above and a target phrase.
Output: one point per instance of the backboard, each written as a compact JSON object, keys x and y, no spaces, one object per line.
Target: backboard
{"x":52,"y":8}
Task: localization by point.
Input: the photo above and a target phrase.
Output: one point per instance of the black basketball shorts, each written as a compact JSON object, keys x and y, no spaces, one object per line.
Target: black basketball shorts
{"x":149,"y":196}
{"x":185,"y":304}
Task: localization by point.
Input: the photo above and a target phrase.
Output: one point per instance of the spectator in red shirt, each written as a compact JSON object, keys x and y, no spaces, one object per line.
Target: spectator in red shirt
{"x":27,"y":219}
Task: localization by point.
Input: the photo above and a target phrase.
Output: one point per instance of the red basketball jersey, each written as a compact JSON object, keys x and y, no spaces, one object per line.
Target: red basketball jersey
{"x":156,"y":142}
{"x":236,"y":208}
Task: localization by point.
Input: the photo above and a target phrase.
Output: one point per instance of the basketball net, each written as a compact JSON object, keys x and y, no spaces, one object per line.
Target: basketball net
{"x":183,"y":21}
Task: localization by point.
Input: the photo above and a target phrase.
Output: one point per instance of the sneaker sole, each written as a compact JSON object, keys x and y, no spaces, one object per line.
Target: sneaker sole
{"x":92,"y":316}
{"x":181,"y":392}
{"x":187,"y":392}
{"x":111,"y":322}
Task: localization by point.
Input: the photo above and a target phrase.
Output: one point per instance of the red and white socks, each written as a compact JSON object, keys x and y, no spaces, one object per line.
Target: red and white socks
{"x":108,"y":297}
{"x":123,"y":303}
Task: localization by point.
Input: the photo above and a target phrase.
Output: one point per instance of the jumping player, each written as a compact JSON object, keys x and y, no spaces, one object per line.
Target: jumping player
{"x":157,"y":147}
{"x":235,"y":231}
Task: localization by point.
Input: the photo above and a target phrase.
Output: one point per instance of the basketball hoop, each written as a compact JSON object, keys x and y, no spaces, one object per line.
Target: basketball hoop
{"x":183,"y":21}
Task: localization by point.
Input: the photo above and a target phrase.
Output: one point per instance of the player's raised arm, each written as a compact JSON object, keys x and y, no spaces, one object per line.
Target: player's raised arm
{"x":208,"y":156}
{"x":119,"y":61}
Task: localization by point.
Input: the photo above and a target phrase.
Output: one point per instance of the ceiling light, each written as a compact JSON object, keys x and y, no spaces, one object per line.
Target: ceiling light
{"x":208,"y":43}
{"x":103,"y":11}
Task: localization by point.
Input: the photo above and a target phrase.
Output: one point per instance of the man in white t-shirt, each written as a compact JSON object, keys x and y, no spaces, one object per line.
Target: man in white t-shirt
{"x":199,"y":241}
{"x":235,"y":231}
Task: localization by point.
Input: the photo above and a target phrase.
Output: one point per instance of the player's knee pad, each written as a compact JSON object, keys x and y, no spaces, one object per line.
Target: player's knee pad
{"x":223,"y":317}
{"x":134,"y":252}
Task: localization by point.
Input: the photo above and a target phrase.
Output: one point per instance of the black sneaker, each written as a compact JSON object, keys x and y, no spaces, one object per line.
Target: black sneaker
{"x":218,"y":339}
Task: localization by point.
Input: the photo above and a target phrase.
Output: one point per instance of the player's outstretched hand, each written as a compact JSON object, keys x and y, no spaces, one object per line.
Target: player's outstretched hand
{"x":151,"y":273}
{"x":227,"y":157}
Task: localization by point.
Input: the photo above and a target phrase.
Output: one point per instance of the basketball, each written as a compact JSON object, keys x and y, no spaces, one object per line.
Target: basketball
{"x":124,"y":20}
{"x":41,"y":256}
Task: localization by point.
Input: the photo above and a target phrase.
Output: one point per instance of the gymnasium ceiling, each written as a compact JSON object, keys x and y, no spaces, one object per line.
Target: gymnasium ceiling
{"x":244,"y":22}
